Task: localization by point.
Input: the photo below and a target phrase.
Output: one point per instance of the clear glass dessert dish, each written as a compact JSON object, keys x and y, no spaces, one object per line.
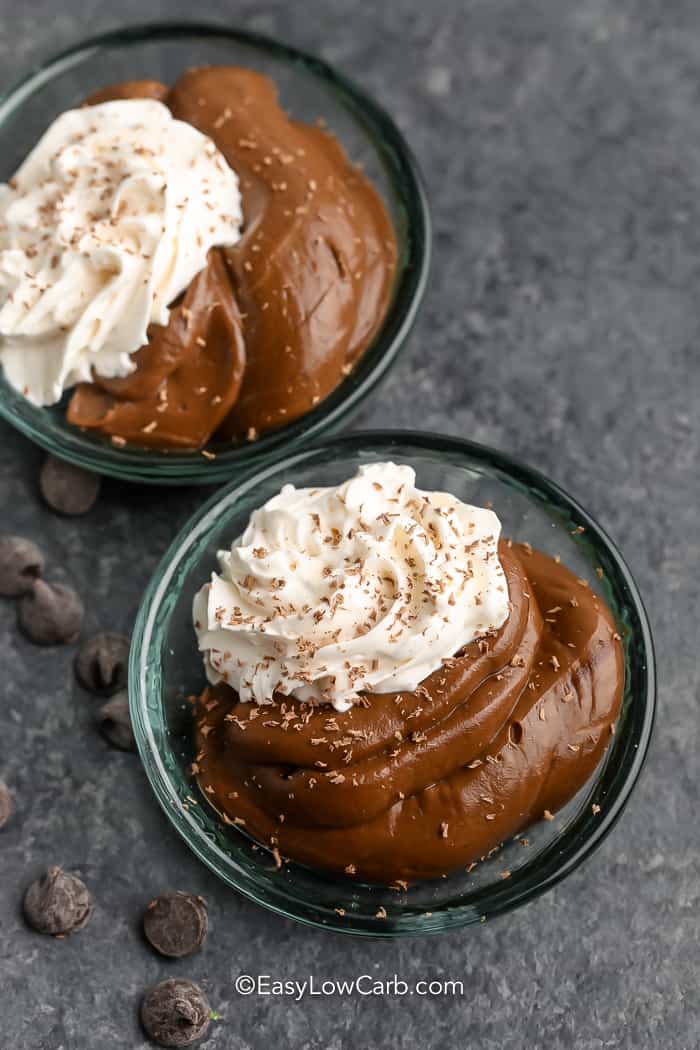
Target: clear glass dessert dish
{"x":165,"y":668}
{"x":309,"y":90}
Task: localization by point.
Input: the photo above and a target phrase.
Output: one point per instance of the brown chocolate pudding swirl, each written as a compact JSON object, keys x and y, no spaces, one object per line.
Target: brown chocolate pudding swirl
{"x":271,"y":326}
{"x":413,"y":785}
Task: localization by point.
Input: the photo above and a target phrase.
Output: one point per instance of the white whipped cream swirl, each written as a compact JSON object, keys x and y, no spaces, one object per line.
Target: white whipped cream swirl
{"x":106,"y":222}
{"x":366,"y":587}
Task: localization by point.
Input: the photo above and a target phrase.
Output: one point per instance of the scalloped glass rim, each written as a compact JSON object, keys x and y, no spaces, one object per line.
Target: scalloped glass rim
{"x":611,"y":785}
{"x":413,"y":232}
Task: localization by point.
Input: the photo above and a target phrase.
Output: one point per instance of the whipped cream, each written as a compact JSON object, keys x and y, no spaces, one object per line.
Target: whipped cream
{"x":106,"y":222}
{"x":369,"y":587}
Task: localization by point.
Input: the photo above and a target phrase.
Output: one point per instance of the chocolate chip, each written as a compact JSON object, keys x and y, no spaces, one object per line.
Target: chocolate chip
{"x":175,"y":1013}
{"x":176,"y":924}
{"x":67,"y":488}
{"x":21,"y":563}
{"x":5,"y":804}
{"x":51,"y":615}
{"x":101,"y":663}
{"x":57,"y":903}
{"x":115,"y":723}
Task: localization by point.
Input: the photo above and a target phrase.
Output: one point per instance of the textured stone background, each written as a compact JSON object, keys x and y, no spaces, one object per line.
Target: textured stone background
{"x":561,"y":147}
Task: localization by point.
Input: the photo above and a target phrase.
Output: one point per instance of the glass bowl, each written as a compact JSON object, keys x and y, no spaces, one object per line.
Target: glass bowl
{"x":309,"y":89}
{"x":165,"y":668}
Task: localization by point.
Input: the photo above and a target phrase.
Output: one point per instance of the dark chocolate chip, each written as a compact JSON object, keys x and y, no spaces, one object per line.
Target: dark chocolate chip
{"x":51,"y":615}
{"x":176,"y":924}
{"x":57,"y":903}
{"x":5,"y":804}
{"x":21,"y":563}
{"x":67,"y":488}
{"x":101,"y":663}
{"x":115,"y":723}
{"x":175,"y":1013}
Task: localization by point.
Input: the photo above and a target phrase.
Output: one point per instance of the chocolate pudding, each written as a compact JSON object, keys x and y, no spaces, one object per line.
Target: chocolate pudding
{"x":411,"y":784}
{"x":295,"y":264}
